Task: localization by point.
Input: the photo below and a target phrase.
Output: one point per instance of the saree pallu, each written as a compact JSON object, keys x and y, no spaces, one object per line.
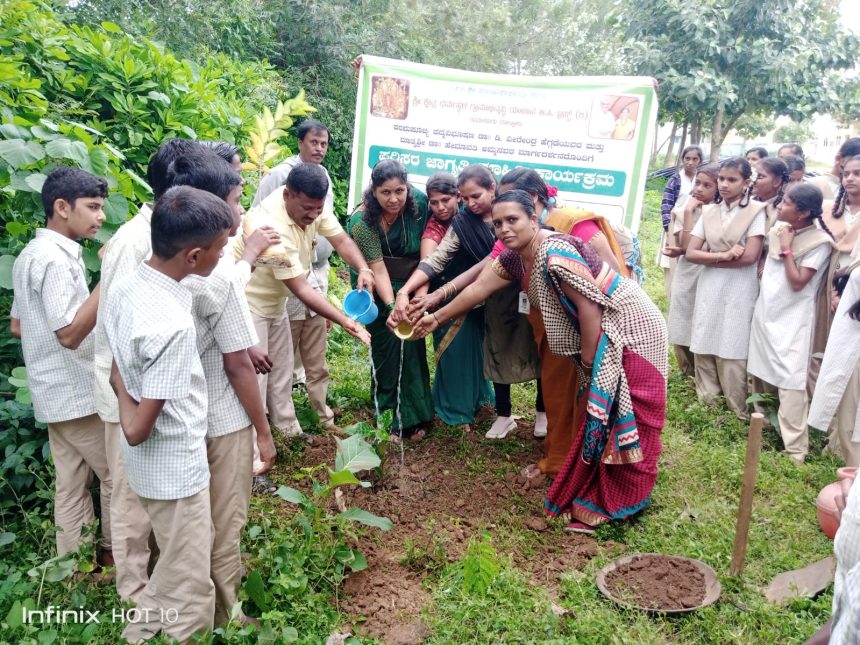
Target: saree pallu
{"x":558,"y":373}
{"x":459,"y":386}
{"x":612,"y":465}
{"x":401,"y":372}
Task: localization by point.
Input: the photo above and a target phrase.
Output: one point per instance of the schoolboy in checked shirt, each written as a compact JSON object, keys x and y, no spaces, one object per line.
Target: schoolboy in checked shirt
{"x":54,"y":313}
{"x":160,"y":386}
{"x":225,"y":331}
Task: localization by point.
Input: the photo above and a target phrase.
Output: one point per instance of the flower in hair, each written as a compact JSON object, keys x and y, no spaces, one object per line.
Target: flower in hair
{"x":551,"y":191}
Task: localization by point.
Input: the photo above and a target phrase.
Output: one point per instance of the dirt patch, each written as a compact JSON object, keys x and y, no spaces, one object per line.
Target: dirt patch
{"x":448,"y":489}
{"x":658,"y":582}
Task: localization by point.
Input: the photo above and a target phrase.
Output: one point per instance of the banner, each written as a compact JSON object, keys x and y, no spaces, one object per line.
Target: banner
{"x":588,"y":136}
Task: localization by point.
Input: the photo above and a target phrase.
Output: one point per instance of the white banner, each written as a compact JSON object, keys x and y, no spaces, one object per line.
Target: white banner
{"x":588,"y":136}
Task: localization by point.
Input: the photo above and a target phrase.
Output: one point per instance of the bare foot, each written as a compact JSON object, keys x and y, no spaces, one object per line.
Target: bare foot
{"x":417,"y":436}
{"x":467,"y":427}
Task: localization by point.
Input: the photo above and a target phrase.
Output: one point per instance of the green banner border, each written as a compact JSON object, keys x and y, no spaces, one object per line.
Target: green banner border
{"x":373,"y":65}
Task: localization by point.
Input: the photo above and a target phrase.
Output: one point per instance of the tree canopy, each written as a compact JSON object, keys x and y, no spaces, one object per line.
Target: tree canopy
{"x":717,"y":60}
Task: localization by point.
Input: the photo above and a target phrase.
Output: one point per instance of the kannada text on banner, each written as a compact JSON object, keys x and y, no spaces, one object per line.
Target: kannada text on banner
{"x":588,"y":136}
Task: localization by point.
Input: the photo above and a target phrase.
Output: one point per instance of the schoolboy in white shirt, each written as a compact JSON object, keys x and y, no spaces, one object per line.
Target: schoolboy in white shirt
{"x":224,"y":334}
{"x":160,"y":386}
{"x":55,"y":314}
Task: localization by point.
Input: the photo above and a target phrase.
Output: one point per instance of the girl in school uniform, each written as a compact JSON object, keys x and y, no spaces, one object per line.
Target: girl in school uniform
{"x":842,"y":216}
{"x":727,"y":241}
{"x":686,"y":274}
{"x":770,"y":183}
{"x":677,"y":192}
{"x":836,"y":403}
{"x":799,"y":251}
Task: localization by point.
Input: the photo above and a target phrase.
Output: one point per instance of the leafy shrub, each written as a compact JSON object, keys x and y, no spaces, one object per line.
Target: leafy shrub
{"x":93,"y":98}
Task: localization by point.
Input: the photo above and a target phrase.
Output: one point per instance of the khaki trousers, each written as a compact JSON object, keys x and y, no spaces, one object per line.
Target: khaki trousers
{"x":78,"y":449}
{"x":179,"y":598}
{"x":685,"y":360}
{"x":793,"y":411}
{"x":842,"y":427}
{"x":310,"y":339}
{"x":276,"y":387}
{"x":717,"y":376}
{"x":229,"y":496}
{"x":130,"y":524}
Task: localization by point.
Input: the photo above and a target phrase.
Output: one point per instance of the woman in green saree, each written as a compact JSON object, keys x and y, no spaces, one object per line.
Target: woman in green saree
{"x":388,"y":231}
{"x":459,"y":386}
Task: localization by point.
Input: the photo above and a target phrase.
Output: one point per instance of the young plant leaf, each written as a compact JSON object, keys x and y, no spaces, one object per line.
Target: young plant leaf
{"x":341,"y":478}
{"x":367,"y":518}
{"x":355,"y":454}
{"x":291,"y":495}
{"x":256,"y":590}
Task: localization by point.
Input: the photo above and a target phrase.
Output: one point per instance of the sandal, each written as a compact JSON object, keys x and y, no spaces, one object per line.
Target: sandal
{"x":579,"y":527}
{"x":263,"y":486}
{"x":531,"y":471}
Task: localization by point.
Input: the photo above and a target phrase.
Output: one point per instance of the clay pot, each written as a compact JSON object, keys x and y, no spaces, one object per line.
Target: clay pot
{"x":826,"y":502}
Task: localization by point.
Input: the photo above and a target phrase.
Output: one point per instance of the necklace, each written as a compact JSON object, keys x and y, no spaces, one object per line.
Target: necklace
{"x":388,"y":228}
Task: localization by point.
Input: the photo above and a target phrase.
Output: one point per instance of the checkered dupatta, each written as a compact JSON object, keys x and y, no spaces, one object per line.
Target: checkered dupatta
{"x":611,"y":434}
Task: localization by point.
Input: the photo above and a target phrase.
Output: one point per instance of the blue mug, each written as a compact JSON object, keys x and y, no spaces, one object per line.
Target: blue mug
{"x":359,"y":306}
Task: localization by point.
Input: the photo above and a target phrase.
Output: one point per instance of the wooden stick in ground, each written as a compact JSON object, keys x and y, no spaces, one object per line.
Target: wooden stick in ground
{"x":742,"y":527}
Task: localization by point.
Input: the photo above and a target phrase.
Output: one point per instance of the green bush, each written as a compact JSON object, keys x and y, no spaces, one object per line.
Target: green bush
{"x":93,"y":98}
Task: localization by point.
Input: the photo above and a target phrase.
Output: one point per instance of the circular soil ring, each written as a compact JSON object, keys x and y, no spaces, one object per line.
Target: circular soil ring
{"x":659,"y":583}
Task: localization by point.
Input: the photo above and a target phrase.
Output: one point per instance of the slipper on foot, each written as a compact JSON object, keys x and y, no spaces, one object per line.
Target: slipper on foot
{"x":540,"y":425}
{"x":501,"y":427}
{"x":263,"y":486}
{"x":579,"y":527}
{"x":531,"y":471}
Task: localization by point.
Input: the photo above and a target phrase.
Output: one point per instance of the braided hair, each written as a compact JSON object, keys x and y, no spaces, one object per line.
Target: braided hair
{"x":745,"y":169}
{"x":842,"y":197}
{"x":382,"y":172}
{"x":712,"y":170}
{"x":777,"y":168}
{"x":808,"y":197}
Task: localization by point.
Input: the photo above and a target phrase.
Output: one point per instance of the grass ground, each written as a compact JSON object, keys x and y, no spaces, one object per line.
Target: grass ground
{"x":468,"y":559}
{"x":693,"y":514}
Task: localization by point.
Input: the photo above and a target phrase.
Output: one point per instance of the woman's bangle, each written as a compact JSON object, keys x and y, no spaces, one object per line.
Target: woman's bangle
{"x":400,"y":293}
{"x":785,"y":253}
{"x":389,"y":306}
{"x":587,"y":366}
{"x":436,"y":319}
{"x":365,"y":269}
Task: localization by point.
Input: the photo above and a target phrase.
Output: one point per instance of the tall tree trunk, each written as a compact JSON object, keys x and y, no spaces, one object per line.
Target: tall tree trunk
{"x":717,"y":135}
{"x":683,"y":144}
{"x":671,"y":147}
{"x":695,"y":131}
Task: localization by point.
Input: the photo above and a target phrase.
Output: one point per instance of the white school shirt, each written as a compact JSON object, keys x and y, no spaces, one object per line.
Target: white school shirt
{"x":223,"y":323}
{"x":846,"y":583}
{"x":725,"y":299}
{"x":151,"y":334}
{"x":50,"y":286}
{"x":129,"y":246}
{"x":783,"y":320}
{"x":841,"y":358}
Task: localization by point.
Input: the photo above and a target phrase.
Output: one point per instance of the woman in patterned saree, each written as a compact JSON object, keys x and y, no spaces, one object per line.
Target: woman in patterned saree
{"x":388,"y":231}
{"x":616,"y":337}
